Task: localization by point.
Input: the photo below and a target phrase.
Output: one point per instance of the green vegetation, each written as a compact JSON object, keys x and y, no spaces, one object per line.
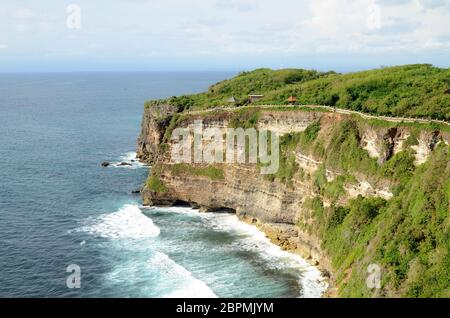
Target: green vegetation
{"x":332,"y":190}
{"x":400,"y":167}
{"x":169,"y":129}
{"x":408,"y":236}
{"x":417,"y":254}
{"x":256,"y":82}
{"x":341,"y":151}
{"x":403,"y":91}
{"x":345,"y":153}
{"x":288,"y":167}
{"x":244,"y":118}
{"x":288,"y":145}
{"x":154,"y":182}
{"x":311,"y":132}
{"x":210,"y":172}
{"x":419,"y":90}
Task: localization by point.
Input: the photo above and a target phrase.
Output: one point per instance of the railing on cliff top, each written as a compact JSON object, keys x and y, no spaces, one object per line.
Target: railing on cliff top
{"x":332,"y":109}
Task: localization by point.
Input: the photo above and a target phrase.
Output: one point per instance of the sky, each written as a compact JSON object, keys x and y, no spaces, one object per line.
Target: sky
{"x":199,"y":35}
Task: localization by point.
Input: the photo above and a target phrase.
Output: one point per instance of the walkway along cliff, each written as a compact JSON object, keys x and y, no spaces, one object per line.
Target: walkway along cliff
{"x":350,"y":192}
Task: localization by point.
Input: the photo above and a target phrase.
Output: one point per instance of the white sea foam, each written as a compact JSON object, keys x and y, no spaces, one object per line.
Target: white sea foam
{"x":127,"y":222}
{"x":187,"y":285}
{"x":132,"y":161}
{"x":159,"y":276}
{"x":310,"y":279}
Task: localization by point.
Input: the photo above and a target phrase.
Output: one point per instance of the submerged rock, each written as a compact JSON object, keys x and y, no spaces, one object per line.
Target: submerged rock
{"x":123,"y":164}
{"x":105,"y":164}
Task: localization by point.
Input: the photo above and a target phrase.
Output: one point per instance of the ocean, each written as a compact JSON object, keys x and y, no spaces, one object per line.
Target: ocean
{"x":59,"y":207}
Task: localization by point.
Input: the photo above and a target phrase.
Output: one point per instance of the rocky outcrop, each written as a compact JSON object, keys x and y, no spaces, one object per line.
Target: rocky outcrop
{"x":154,"y":123}
{"x":425,"y":145}
{"x":287,"y":122}
{"x":105,"y":164}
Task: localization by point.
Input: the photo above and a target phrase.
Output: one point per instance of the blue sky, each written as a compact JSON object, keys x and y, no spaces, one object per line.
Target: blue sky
{"x":160,"y":35}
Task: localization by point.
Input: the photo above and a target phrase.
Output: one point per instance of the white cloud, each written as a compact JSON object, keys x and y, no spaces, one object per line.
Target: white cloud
{"x":226,"y":29}
{"x":370,"y":25}
{"x":23,"y":28}
{"x":237,"y":5}
{"x":23,"y":13}
{"x":374,"y":18}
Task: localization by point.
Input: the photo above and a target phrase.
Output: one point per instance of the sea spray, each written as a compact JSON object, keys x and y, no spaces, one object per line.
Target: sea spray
{"x":127,"y":222}
{"x":249,"y":240}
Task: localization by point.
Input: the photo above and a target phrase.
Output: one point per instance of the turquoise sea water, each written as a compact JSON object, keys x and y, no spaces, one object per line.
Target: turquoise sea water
{"x":59,"y":207}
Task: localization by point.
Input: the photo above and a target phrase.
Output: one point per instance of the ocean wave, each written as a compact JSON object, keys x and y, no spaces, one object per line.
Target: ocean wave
{"x":251,"y":239}
{"x":310,"y":279}
{"x":132,"y":162}
{"x":127,"y":222}
{"x":187,"y":286}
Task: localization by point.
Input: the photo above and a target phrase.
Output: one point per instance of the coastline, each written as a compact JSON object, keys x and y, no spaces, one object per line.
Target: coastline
{"x":269,"y":233}
{"x":273,"y":234}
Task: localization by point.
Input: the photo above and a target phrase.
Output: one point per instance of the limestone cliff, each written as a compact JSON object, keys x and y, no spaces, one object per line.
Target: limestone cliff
{"x":282,"y":205}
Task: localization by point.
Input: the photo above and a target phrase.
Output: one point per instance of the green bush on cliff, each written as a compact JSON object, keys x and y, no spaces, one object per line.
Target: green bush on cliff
{"x":174,"y":120}
{"x":400,"y":167}
{"x":335,"y":189}
{"x":288,"y":144}
{"x":344,"y":151}
{"x":320,"y":178}
{"x":311,"y":132}
{"x":154,"y":182}
{"x":412,"y":140}
{"x":288,"y":166}
{"x":287,"y":169}
{"x":244,"y":118}
{"x":211,"y":172}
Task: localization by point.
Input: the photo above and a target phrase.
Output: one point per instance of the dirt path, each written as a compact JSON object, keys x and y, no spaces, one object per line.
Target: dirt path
{"x":331,"y":109}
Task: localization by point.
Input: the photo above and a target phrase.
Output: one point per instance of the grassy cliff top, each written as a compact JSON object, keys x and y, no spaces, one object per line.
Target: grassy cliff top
{"x":419,"y":90}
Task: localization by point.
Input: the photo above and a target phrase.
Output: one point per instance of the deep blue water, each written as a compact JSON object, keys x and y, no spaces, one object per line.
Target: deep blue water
{"x":59,"y":207}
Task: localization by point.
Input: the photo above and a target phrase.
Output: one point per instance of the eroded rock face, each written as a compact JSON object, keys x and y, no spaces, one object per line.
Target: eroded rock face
{"x":272,"y":206}
{"x":426,"y":144}
{"x":385,"y":143}
{"x":154,"y":122}
{"x":287,"y":122}
{"x":243,"y":190}
{"x":382,"y":144}
{"x":371,"y":143}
